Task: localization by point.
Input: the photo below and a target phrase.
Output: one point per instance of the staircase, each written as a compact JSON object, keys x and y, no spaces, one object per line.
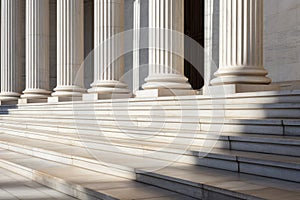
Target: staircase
{"x":242,"y":146}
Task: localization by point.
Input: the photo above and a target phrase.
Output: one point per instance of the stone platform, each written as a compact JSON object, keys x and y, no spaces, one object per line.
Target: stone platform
{"x":242,"y":146}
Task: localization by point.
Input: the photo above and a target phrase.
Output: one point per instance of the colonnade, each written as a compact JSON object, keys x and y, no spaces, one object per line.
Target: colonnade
{"x":241,"y":48}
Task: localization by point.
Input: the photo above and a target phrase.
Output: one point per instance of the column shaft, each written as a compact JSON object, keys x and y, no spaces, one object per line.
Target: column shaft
{"x":70,"y":48}
{"x":37,"y":49}
{"x":108,"y":68}
{"x":241,"y":43}
{"x":12,"y":49}
{"x":166,"y":68}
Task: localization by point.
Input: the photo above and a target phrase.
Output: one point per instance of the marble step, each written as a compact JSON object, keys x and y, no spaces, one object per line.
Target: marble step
{"x":154,"y":105}
{"x":81,"y":183}
{"x":235,"y":111}
{"x":280,"y":167}
{"x":199,"y":182}
{"x":281,"y":145}
{"x":266,"y":165}
{"x":253,"y":97}
{"x":14,"y":186}
{"x":266,"y":127}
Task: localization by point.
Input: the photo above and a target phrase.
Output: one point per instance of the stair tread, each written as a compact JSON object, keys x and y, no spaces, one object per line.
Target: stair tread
{"x":113,"y":186}
{"x":71,"y":150}
{"x":219,"y":179}
{"x":262,"y":138}
{"x":262,"y":158}
{"x":223,"y":180}
{"x":14,"y":186}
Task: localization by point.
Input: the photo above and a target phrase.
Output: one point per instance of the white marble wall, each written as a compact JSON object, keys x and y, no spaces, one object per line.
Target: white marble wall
{"x":282,"y":40}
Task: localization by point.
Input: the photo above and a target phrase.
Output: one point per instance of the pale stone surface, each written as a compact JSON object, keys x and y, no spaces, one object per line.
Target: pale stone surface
{"x":241,"y":43}
{"x":165,"y":67}
{"x":37,"y":50}
{"x":108,"y":45}
{"x":14,"y":186}
{"x":219,"y":90}
{"x":282,"y":42}
{"x":70,"y":48}
{"x":12,"y":49}
{"x":154,"y":93}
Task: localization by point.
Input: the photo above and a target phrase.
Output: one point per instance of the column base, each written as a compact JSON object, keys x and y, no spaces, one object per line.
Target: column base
{"x":68,"y":92}
{"x":34,"y":96}
{"x":107,"y":90}
{"x":9,"y":98}
{"x":167,"y":81}
{"x":240,"y":75}
{"x":218,"y":90}
{"x":161,"y":85}
{"x":154,"y":93}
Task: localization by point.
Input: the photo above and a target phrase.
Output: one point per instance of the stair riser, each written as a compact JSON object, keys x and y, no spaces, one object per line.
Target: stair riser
{"x":190,"y":189}
{"x":287,"y":174}
{"x":288,"y":150}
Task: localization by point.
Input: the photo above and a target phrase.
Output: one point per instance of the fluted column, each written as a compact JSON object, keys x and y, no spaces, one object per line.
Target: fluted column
{"x":37,"y":49}
{"x":12,"y":49}
{"x":70,"y":48}
{"x":241,"y":43}
{"x":166,"y":69}
{"x":109,"y":68}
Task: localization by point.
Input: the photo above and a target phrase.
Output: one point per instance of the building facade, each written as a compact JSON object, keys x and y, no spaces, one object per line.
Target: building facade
{"x":23,"y":77}
{"x":150,"y":99}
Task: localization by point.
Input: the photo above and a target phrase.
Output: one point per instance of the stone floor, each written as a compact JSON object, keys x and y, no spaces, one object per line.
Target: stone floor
{"x":14,"y":186}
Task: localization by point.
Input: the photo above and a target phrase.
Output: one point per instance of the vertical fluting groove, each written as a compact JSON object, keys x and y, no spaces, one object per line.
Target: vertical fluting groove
{"x":151,"y":57}
{"x":221,"y":47}
{"x":233,"y":59}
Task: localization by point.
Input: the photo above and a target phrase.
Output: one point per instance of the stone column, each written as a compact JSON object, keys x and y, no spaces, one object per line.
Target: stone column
{"x":166,"y":69}
{"x":241,"y":44}
{"x":12,"y":49}
{"x":70,"y":49}
{"x":37,"y":50}
{"x":108,"y":69}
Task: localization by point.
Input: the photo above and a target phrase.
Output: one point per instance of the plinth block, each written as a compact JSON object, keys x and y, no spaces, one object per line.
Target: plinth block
{"x":63,"y":99}
{"x":153,"y":93}
{"x":96,"y":97}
